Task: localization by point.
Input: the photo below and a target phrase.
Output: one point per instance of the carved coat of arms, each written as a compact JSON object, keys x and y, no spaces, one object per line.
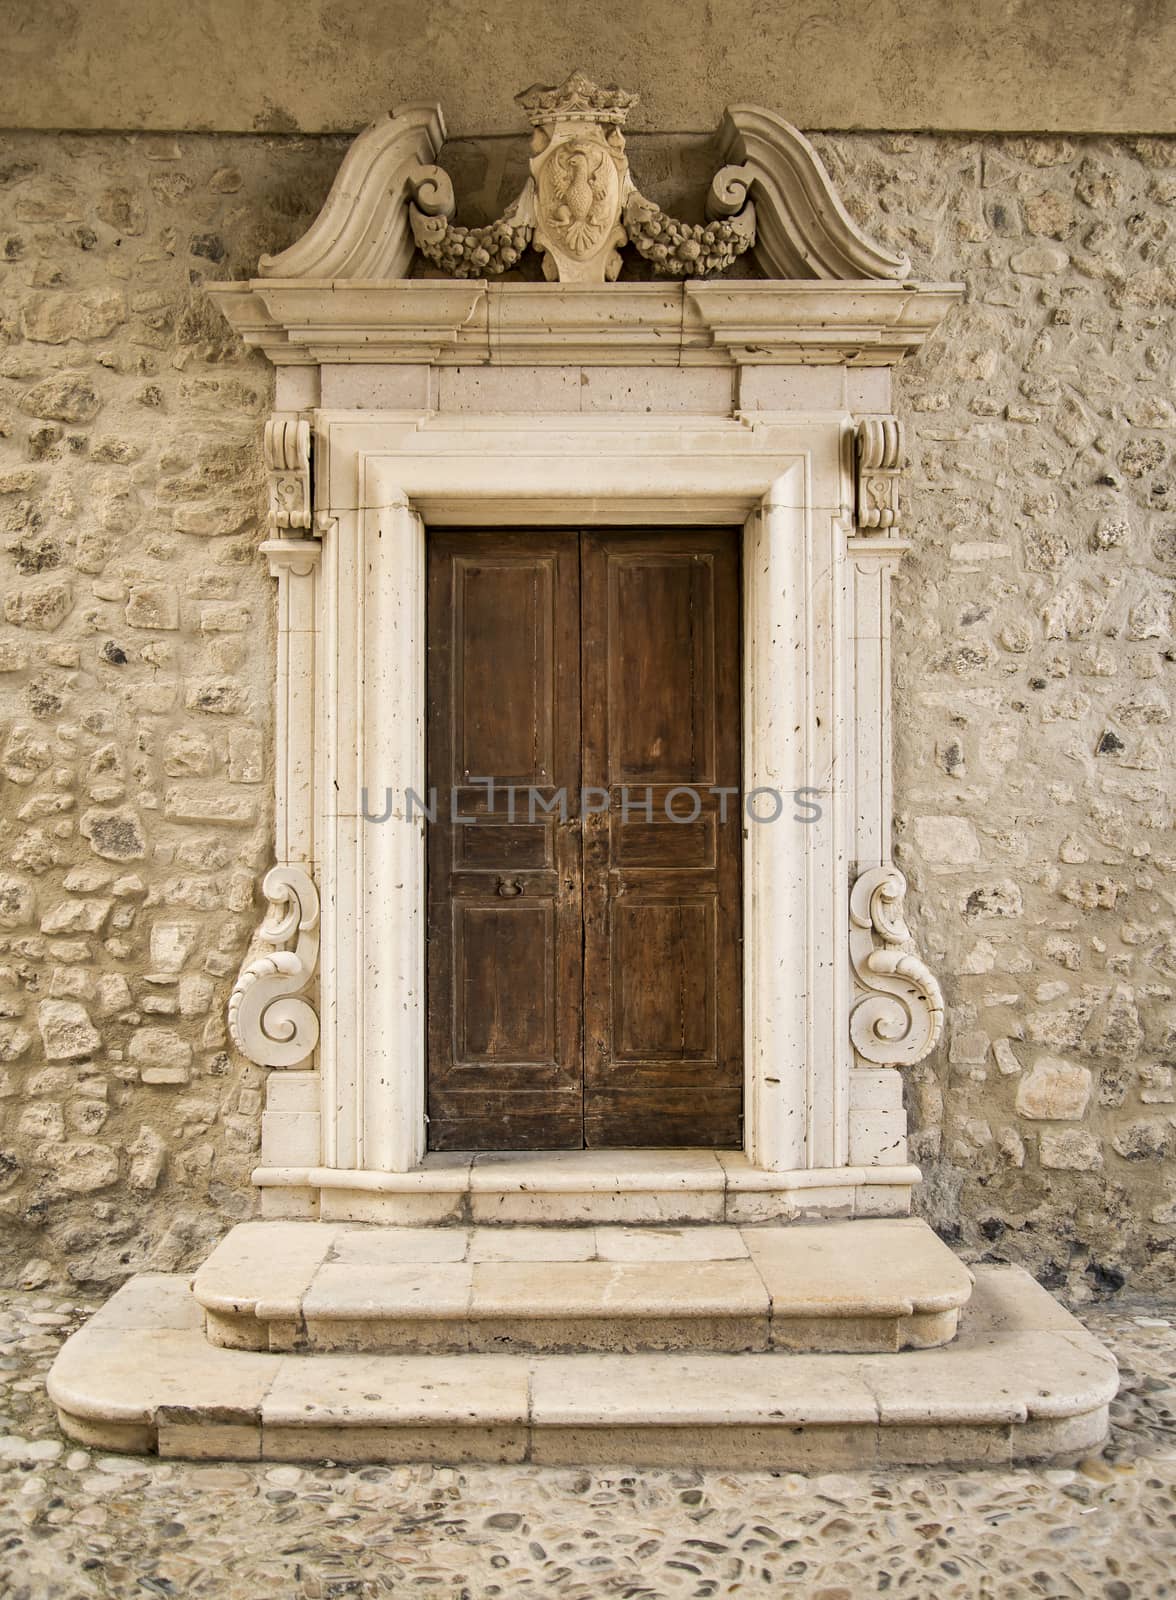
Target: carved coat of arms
{"x":581,"y":176}
{"x":579,"y":195}
{"x":580,"y":204}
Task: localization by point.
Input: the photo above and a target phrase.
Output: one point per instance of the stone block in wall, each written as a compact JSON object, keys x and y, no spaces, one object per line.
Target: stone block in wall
{"x":161,"y":1055}
{"x":1054,"y":1090}
{"x":877,"y":1120}
{"x":67,"y":1034}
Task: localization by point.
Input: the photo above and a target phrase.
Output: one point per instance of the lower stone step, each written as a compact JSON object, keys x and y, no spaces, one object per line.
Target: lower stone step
{"x":1023,"y":1380}
{"x":879,"y":1285}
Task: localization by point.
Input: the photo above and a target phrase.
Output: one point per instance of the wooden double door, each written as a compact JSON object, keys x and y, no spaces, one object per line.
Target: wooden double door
{"x":584,"y":915}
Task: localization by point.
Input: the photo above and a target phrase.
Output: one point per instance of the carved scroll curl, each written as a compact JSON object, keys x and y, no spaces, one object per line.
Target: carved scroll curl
{"x":363,"y":229}
{"x":270,"y":1020}
{"x":287,"y":460}
{"x":899,"y":1018}
{"x":804,"y":230}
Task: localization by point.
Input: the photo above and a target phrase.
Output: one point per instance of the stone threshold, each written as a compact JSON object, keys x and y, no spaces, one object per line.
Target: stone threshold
{"x":879,"y":1285}
{"x":590,"y":1186}
{"x":1024,"y":1380}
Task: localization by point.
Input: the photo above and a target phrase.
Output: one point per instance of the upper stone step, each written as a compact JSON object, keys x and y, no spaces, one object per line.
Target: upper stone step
{"x":879,"y":1285}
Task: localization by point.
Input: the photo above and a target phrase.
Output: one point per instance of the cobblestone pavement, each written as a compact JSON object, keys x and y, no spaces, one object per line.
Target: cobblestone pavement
{"x":75,"y":1524}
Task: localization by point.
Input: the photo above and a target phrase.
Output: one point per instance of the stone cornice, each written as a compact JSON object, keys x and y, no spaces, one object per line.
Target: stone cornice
{"x":305,"y":321}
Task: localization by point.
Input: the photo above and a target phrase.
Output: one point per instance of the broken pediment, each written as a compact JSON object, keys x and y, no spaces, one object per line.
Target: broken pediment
{"x":777,"y":273}
{"x":581,"y":204}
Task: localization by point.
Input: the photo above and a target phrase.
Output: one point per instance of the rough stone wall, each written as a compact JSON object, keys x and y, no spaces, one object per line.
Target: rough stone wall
{"x":1033,"y":670}
{"x":1033,"y":646}
{"x":136,"y":643}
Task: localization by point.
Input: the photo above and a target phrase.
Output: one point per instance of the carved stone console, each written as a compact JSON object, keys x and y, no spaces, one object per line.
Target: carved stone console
{"x":270,"y":1019}
{"x":760,"y":401}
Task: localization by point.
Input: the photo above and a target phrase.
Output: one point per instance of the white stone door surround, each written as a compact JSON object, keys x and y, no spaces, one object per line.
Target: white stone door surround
{"x":352,"y":715}
{"x":423,"y":404}
{"x":782,"y":485}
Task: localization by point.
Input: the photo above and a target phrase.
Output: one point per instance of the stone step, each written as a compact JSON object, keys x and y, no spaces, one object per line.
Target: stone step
{"x":538,"y":1188}
{"x":1024,"y":1380}
{"x":880,"y":1285}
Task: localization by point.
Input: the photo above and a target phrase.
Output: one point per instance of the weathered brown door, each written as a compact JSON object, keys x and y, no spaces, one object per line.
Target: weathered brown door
{"x":505,"y":922}
{"x":660,"y":634}
{"x":584,"y":948}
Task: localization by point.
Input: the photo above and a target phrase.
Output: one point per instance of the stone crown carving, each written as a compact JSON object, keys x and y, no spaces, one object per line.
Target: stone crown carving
{"x":577,"y":97}
{"x":581,"y":206}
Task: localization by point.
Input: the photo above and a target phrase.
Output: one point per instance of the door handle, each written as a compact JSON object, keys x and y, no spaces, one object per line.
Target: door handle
{"x":509,"y":890}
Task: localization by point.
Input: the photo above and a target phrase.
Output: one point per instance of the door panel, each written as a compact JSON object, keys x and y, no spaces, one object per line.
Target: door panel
{"x":658,"y":605}
{"x":503,"y":975}
{"x":663,"y":1034}
{"x":505,"y":928}
{"x":584,"y":975}
{"x":660,"y":1008}
{"x":504,"y":625}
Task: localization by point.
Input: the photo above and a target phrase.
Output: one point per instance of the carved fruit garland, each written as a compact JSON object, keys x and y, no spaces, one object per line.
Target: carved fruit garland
{"x":467,"y":252}
{"x":694,"y":250}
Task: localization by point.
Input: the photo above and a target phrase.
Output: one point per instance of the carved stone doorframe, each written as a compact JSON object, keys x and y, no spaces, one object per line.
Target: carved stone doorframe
{"x":351,"y":613}
{"x":427,"y":403}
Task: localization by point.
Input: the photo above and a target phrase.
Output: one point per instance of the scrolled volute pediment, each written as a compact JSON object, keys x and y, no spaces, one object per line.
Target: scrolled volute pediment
{"x":581,"y":204}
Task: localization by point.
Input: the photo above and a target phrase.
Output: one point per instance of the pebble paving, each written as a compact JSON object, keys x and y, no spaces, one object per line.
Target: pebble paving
{"x":76,"y":1524}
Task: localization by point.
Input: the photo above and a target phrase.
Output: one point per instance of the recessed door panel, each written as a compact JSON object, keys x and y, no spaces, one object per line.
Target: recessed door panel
{"x":661,"y":1011}
{"x":504,"y":972}
{"x":659,"y":665}
{"x":504,"y":616}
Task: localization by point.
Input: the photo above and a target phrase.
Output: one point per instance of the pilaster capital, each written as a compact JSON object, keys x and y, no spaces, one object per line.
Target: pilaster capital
{"x":292,"y":558}
{"x":287,"y":461}
{"x":879,"y":457}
